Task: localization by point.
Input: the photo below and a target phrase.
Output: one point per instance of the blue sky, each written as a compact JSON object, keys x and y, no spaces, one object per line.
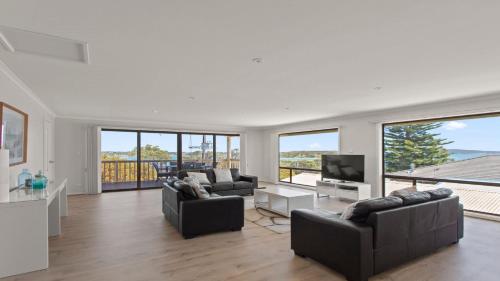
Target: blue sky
{"x":323,"y":141}
{"x":126,"y":141}
{"x":473,"y":134}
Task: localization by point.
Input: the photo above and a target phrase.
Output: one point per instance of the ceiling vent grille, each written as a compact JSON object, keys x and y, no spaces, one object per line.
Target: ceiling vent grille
{"x":22,"y":41}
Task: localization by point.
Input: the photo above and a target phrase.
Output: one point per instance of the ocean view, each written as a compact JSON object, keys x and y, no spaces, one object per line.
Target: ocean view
{"x":463,"y":154}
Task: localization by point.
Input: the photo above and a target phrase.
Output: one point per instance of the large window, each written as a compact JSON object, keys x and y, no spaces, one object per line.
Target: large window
{"x":124,"y":167}
{"x":300,"y":155}
{"x":461,"y":153}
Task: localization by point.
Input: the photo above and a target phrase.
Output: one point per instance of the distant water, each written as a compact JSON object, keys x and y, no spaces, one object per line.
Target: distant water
{"x":464,"y":155}
{"x":298,"y":158}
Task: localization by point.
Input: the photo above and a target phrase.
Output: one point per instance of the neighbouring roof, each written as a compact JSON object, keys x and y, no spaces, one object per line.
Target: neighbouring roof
{"x":484,"y":168}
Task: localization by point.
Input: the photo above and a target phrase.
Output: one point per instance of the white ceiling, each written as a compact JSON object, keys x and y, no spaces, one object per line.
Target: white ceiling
{"x":320,"y":58}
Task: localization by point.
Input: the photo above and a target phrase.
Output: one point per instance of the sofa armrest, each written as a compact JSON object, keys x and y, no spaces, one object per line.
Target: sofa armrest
{"x":460,"y":223}
{"x":340,"y":244}
{"x":211,"y":215}
{"x":253,"y":179}
{"x":171,"y":198}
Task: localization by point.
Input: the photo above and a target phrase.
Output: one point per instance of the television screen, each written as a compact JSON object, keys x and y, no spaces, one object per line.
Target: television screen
{"x":343,"y":167}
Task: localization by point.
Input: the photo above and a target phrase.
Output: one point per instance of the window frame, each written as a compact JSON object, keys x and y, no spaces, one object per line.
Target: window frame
{"x":298,"y":133}
{"x":416,"y":179}
{"x":179,"y":148}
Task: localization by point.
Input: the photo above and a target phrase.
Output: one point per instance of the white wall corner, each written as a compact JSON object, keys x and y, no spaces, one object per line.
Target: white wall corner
{"x":25,"y":88}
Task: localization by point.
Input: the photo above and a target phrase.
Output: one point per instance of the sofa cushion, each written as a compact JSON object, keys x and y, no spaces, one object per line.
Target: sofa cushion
{"x":363,"y":208}
{"x":219,"y":186}
{"x":201,"y":177}
{"x":223,"y":175}
{"x":208,"y":187}
{"x":171,"y":180}
{"x":210,"y":175}
{"x":196,"y":186}
{"x":235,"y":173}
{"x":439,"y":193}
{"x":182,"y":174}
{"x":403,"y":191}
{"x":242,"y":185}
{"x":187,"y":191}
{"x":348,"y":211}
{"x":416,"y":197}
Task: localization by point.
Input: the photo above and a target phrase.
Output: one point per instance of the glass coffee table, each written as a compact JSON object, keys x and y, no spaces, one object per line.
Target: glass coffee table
{"x":282,"y":200}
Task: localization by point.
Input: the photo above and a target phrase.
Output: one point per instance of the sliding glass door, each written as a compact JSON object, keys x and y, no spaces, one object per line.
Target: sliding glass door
{"x":197,"y":151}
{"x":228,"y":152}
{"x":124,"y":167}
{"x":158,"y":157}
{"x":119,"y":160}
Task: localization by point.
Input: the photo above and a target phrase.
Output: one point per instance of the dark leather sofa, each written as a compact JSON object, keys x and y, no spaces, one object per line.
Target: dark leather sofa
{"x":241,"y":185}
{"x":192,"y":217}
{"x":386,"y":239}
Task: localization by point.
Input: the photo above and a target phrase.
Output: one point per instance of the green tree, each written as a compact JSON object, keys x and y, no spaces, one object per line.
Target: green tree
{"x":415,"y":144}
{"x":151,"y":152}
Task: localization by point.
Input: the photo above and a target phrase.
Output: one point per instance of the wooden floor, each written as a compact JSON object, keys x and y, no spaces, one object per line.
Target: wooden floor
{"x":130,"y":185}
{"x":123,"y":236}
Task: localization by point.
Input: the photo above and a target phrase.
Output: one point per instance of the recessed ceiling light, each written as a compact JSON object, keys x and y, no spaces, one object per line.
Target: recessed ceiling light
{"x":191,"y":98}
{"x":287,"y":108}
{"x":155,"y":111}
{"x":257,"y":60}
{"x":378,"y":88}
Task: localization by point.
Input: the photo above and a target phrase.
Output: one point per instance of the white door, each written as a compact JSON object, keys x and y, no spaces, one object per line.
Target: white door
{"x":48,"y":150}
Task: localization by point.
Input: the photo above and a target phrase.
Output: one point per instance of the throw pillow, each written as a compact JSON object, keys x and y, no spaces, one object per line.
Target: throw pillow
{"x":416,"y":197}
{"x":235,"y":173}
{"x":348,"y":211}
{"x":201,"y":177}
{"x":171,"y":180}
{"x":223,"y":175}
{"x":363,"y":208}
{"x":403,"y":191}
{"x":186,"y":190}
{"x":439,"y":193}
{"x":200,"y":190}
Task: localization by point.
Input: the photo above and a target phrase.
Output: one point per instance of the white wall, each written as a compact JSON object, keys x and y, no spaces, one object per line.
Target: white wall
{"x":256,"y":150}
{"x":71,"y":154}
{"x":74,"y":145}
{"x":361,"y":134}
{"x":15,"y":93}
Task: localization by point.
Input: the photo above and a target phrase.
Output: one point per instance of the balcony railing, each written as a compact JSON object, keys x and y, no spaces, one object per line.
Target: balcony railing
{"x":125,"y":171}
{"x":300,"y":176}
{"x":228,"y":164}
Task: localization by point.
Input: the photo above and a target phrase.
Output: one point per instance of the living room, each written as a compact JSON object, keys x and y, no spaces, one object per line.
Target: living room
{"x":292,"y":140}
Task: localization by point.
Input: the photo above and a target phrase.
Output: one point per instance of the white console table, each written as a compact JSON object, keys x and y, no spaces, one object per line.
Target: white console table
{"x":353,"y":191}
{"x":26,"y":222}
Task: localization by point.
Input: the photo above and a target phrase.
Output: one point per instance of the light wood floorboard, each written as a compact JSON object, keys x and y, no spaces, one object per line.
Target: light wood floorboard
{"x":124,"y":236}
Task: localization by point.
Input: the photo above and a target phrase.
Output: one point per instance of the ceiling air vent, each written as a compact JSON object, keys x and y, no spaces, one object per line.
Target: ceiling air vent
{"x":17,"y":40}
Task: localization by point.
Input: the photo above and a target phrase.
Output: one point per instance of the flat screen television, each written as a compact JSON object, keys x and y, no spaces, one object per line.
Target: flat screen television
{"x":343,"y":167}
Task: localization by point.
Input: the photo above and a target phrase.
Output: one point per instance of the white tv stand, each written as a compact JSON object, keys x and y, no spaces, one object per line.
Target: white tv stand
{"x":353,"y":191}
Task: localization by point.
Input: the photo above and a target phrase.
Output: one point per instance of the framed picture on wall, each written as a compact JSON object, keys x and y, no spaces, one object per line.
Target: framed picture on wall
{"x":14,"y":133}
